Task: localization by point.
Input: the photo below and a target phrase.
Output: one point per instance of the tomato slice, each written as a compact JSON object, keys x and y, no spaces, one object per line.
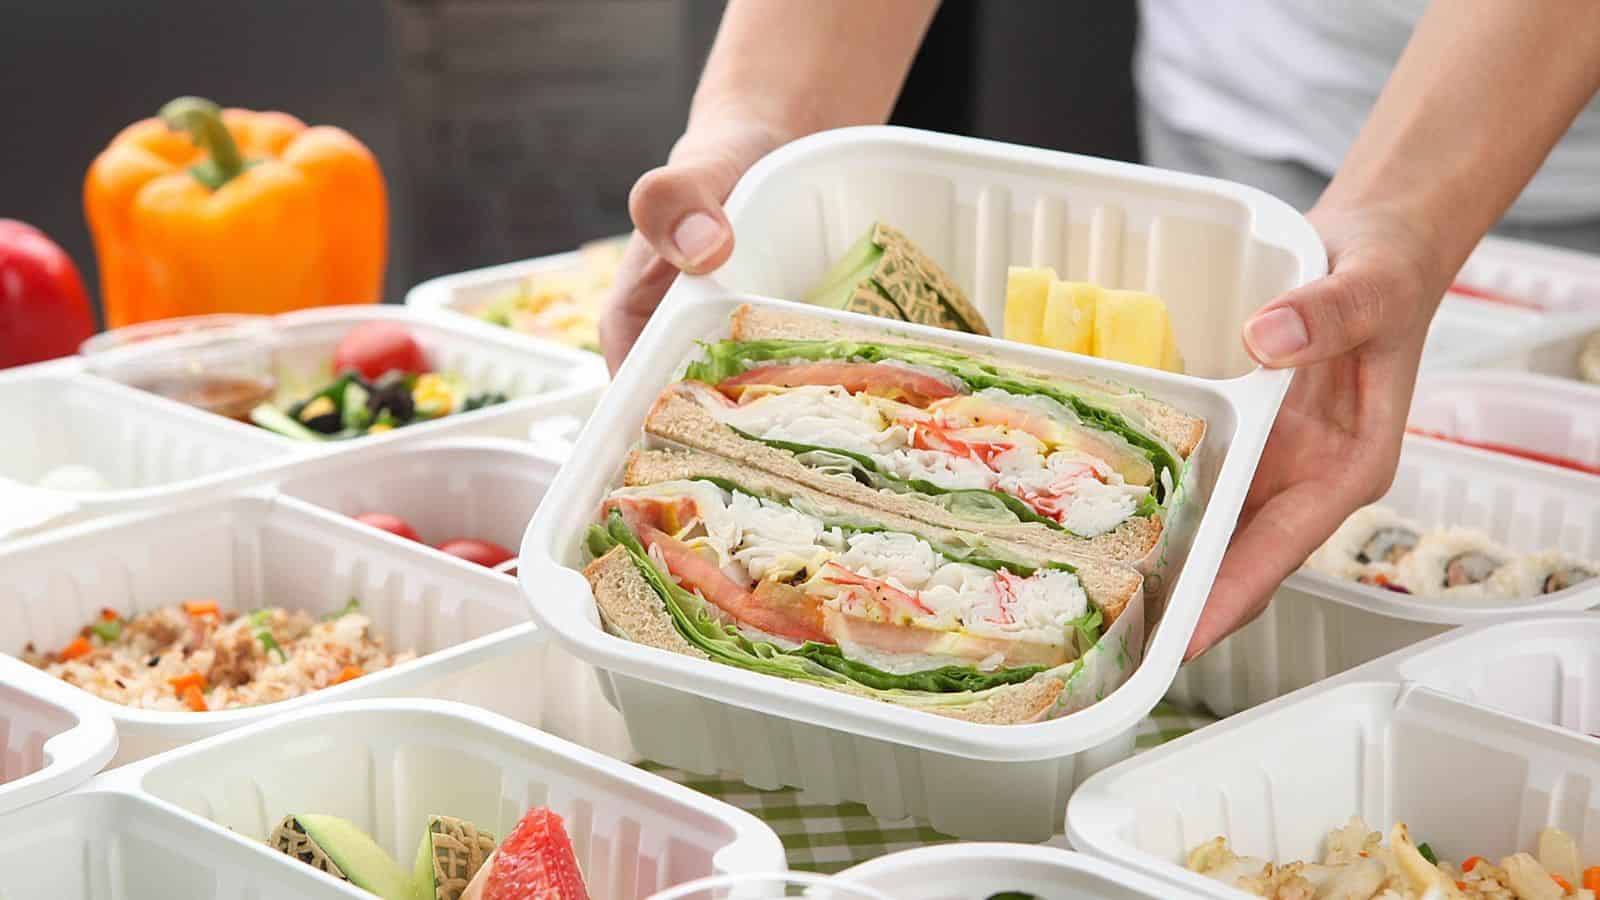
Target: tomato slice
{"x":484,"y":553}
{"x":893,"y":382}
{"x":792,"y":615}
{"x":669,"y":514}
{"x":891,"y":600}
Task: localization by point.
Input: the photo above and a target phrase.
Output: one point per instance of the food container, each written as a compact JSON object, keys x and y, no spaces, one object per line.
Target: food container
{"x":541,"y":377}
{"x":148,"y":450}
{"x":469,"y":625}
{"x":484,"y":488}
{"x":976,"y":206}
{"x":1547,"y":418}
{"x":1466,"y":779}
{"x":461,"y":294}
{"x":1541,"y":302}
{"x":1542,"y":668}
{"x":189,"y":823}
{"x":1318,"y":625}
{"x":51,"y":737}
{"x":97,"y":844}
{"x":976,"y":871}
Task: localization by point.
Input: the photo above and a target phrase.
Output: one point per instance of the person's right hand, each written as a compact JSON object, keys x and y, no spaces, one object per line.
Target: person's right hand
{"x":678,"y":222}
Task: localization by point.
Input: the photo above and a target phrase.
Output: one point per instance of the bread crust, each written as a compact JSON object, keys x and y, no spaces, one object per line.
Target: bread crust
{"x":1111,"y":586}
{"x":680,"y":420}
{"x":633,"y":610}
{"x":1181,"y":431}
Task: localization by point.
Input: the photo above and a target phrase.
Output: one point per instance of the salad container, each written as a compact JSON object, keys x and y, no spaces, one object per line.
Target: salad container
{"x":1466,"y":778}
{"x":300,"y":549}
{"x":977,"y":206}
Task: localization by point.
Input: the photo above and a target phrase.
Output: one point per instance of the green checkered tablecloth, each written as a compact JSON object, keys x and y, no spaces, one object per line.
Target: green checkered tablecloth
{"x":827,"y":838}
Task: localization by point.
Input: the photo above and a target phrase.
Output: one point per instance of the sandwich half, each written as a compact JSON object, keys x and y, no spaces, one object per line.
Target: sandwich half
{"x":935,"y":434}
{"x":712,"y":558}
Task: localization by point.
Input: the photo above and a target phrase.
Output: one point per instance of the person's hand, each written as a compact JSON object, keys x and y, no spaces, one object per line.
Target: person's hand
{"x":1356,"y":337}
{"x":678,"y":222}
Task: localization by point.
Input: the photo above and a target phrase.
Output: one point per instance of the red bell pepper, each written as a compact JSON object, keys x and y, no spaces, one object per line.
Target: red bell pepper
{"x":44,"y":312}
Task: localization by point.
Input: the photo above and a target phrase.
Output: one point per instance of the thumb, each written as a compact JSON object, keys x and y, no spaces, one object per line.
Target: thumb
{"x":1320,"y":320}
{"x":677,"y":209}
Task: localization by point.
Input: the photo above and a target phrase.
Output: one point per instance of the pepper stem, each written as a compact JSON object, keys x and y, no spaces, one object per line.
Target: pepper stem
{"x":203,"y":120}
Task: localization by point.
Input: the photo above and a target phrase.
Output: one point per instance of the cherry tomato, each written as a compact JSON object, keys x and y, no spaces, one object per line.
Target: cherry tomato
{"x":373,"y":348}
{"x":484,"y":553}
{"x":392,"y":524}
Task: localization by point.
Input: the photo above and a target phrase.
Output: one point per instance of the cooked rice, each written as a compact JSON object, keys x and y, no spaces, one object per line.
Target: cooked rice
{"x":227,"y":649}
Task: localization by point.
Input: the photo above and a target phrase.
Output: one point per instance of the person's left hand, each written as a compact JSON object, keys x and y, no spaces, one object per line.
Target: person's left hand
{"x":1355,"y":337}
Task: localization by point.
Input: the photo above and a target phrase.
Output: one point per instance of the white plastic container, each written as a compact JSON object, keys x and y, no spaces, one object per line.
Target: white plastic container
{"x":1318,"y":626}
{"x":540,"y":377}
{"x":149,"y":451}
{"x":483,"y":488}
{"x":188,"y":824}
{"x":976,"y":871}
{"x":977,"y":206}
{"x":51,"y":737}
{"x":98,"y":844}
{"x":1555,"y":303}
{"x":1543,"y":669}
{"x":469,"y":625}
{"x":1274,"y":781}
{"x":1536,"y":413}
{"x":462,"y":293}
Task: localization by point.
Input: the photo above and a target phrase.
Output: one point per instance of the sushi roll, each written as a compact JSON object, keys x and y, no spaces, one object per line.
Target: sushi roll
{"x":1454,"y":563}
{"x":1369,"y":547}
{"x":1537,"y":574}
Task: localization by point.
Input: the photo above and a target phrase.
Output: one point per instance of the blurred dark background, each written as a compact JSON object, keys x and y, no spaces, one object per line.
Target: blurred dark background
{"x":506,"y":128}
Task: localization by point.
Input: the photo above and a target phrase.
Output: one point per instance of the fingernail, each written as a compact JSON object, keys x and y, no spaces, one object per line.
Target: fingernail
{"x":1276,"y":334}
{"x":697,"y":237}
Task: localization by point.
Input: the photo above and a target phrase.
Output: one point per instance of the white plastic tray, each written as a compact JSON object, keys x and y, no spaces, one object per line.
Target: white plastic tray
{"x":1538,"y":413}
{"x":1275,"y":780}
{"x":151,"y":451}
{"x":189,"y":823}
{"x":459,"y":293}
{"x":485,"y":488}
{"x":468,"y":624}
{"x":1318,"y":626}
{"x":51,"y":737}
{"x":977,"y":871}
{"x":976,"y":205}
{"x":1557,"y":297}
{"x":540,"y":376}
{"x":98,"y":844}
{"x":1546,"y":669}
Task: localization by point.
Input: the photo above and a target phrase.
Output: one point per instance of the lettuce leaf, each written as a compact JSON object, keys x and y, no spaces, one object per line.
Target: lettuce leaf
{"x":814,"y":662}
{"x":726,"y":358}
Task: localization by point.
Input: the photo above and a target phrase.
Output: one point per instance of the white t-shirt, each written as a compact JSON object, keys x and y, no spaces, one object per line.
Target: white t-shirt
{"x":1295,"y":79}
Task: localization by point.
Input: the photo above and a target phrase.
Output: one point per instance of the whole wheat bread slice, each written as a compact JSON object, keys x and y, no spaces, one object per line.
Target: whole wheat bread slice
{"x":680,"y":420}
{"x":1179,"y":430}
{"x":1110,"y":586}
{"x":633,"y":610}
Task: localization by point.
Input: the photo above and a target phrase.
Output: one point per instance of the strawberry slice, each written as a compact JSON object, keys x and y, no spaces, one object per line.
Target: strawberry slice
{"x":536,"y":862}
{"x":893,"y":382}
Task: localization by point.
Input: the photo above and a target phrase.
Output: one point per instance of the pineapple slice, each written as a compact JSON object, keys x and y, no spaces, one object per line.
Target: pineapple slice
{"x":1131,"y":327}
{"x":1026,"y":290}
{"x":1069,"y":316}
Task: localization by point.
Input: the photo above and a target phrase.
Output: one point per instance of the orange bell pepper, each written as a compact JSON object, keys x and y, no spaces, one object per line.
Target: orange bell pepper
{"x":205,"y":210}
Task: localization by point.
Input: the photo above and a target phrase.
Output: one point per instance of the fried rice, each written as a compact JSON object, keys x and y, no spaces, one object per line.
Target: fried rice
{"x":176,"y":659}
